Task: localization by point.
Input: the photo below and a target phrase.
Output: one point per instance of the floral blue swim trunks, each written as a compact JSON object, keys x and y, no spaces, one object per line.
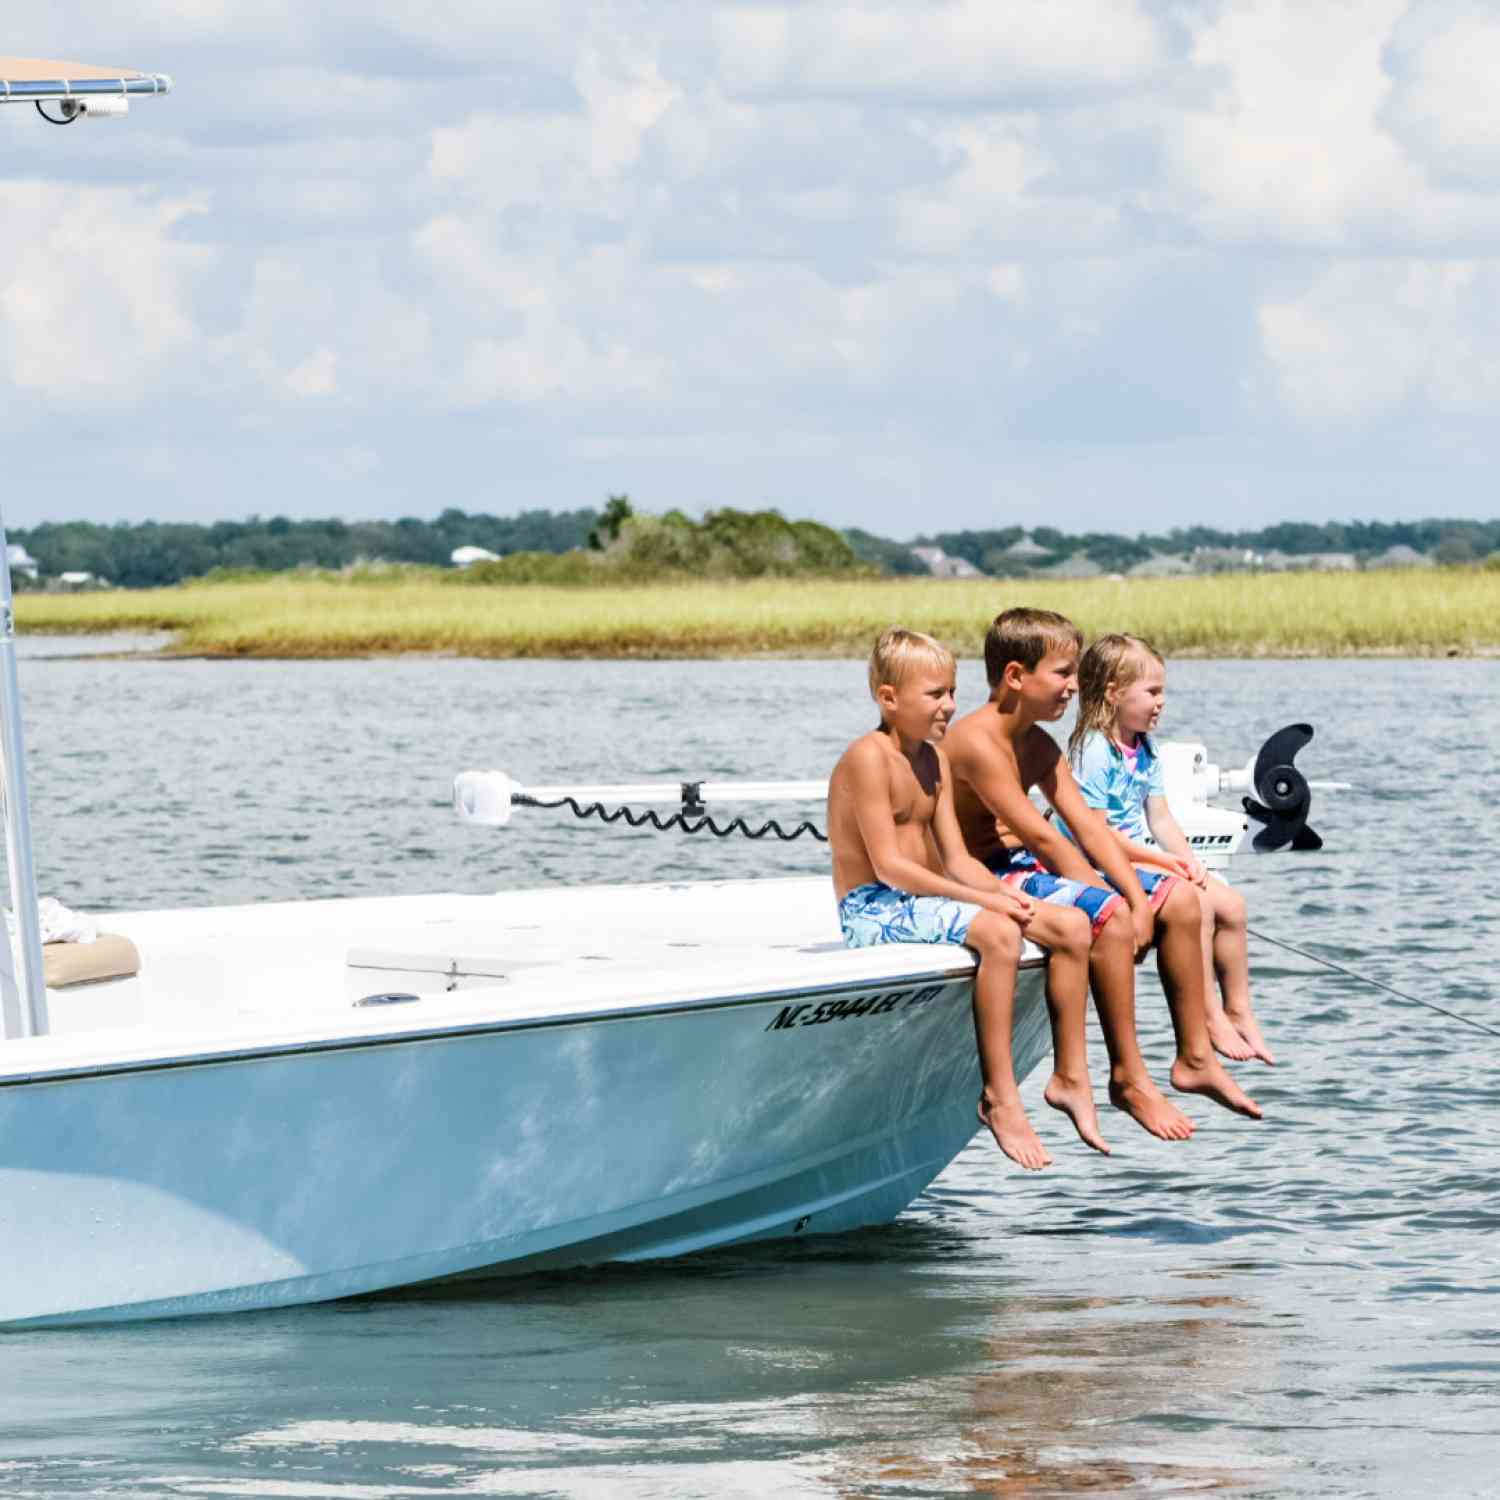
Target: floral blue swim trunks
{"x":877,"y":913}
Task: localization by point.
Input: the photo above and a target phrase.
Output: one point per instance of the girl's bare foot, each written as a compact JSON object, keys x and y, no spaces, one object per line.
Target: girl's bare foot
{"x":1210,"y":1079}
{"x":1227,"y":1039}
{"x":1243,"y":1022}
{"x":1150,"y":1109}
{"x":1076,"y":1101}
{"x":1013,"y":1133}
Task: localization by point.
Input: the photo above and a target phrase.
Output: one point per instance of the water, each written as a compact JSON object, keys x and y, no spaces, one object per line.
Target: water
{"x":1304,"y":1307}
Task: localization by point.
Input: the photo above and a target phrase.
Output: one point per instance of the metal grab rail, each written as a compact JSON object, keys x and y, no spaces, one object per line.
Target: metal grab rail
{"x":28,"y":90}
{"x":26,"y":1014}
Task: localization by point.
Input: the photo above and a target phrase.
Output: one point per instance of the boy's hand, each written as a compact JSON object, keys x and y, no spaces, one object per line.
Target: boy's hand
{"x":1015,"y":905}
{"x":1143,"y":924}
{"x":1189,"y":869}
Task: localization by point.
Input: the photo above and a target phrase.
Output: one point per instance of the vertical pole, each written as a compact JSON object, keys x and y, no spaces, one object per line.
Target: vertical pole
{"x":25,"y":1014}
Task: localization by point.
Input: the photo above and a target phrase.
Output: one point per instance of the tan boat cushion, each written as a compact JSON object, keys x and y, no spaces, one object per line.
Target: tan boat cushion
{"x":108,"y":957}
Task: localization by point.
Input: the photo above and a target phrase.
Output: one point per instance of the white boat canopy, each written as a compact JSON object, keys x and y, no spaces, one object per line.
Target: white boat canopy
{"x":27,"y":79}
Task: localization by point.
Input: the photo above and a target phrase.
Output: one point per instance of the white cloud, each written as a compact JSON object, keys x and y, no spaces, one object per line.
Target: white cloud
{"x":948,"y":50}
{"x":563,"y":162}
{"x":1446,"y":59}
{"x":96,"y":293}
{"x":1291,"y":143}
{"x":320,"y":324}
{"x":1285,"y":148}
{"x":534,"y":328}
{"x":995,"y":192}
{"x":1366,"y":340}
{"x":317,"y":375}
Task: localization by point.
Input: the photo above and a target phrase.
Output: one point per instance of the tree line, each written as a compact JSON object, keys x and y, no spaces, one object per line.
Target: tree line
{"x":150,"y":554}
{"x":572,"y":545}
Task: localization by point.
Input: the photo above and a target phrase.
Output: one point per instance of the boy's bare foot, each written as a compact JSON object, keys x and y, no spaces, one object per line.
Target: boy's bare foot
{"x":1210,"y":1079}
{"x":1227,"y":1039}
{"x":1013,"y":1133}
{"x":1076,"y":1101}
{"x":1150,"y":1109}
{"x":1244,"y":1023}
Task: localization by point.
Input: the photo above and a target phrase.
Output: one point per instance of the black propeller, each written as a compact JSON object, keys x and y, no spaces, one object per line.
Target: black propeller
{"x":1284,"y":793}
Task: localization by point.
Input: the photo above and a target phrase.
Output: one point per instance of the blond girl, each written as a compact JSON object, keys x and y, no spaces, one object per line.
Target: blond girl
{"x":1121,"y":687}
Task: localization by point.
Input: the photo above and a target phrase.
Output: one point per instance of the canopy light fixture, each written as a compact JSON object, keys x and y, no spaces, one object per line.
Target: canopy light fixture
{"x":75,"y":90}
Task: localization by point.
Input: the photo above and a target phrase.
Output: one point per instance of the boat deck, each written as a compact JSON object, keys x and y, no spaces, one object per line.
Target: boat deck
{"x":223,"y":980}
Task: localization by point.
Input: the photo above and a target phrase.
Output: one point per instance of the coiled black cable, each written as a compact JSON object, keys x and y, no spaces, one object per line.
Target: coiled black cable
{"x":685,"y":820}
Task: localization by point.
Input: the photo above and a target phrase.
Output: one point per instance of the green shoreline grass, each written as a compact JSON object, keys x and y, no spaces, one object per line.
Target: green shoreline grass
{"x":1426,"y":613}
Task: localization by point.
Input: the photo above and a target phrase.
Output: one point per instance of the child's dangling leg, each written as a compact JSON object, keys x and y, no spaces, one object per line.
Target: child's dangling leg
{"x":1230,"y":958}
{"x":997,"y":941}
{"x":1112,"y":978}
{"x":1064,"y":933}
{"x":1179,"y":961}
{"x":1227,"y":1040}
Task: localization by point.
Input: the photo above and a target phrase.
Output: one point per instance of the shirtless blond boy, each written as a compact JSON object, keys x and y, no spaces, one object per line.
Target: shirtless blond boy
{"x":901,"y":874}
{"x":998,"y":753}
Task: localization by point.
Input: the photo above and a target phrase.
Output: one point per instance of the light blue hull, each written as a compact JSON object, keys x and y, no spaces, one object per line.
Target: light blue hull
{"x":267,"y":1180}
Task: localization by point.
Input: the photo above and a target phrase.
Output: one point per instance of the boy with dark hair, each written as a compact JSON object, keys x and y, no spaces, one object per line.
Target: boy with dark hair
{"x":998,"y":753}
{"x":901,"y":874}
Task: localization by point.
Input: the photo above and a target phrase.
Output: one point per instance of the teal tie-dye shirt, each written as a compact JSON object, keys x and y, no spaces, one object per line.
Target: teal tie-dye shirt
{"x":1119,"y":790}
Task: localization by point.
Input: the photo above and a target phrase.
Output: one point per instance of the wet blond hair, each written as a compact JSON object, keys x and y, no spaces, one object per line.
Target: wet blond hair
{"x":1113,"y":661}
{"x":1026,"y":636}
{"x":898,"y":651}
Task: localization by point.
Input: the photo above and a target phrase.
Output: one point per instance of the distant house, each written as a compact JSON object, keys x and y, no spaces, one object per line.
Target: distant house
{"x":940,"y":565}
{"x":1076,"y":566}
{"x":465,"y":557}
{"x":1307,"y":562}
{"x":1399,"y":556}
{"x":1025,"y":551}
{"x":1161,"y":565}
{"x":21,"y":561}
{"x":78,"y":579}
{"x":1224,"y":559}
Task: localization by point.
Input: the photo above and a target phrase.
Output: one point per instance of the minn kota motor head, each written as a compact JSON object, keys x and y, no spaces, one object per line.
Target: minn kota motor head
{"x":1283,"y":792}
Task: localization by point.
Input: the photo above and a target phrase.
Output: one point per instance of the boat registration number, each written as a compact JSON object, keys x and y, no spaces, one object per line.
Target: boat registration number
{"x":808,"y":1014}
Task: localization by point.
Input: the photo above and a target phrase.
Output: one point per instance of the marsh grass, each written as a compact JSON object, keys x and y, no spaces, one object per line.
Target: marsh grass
{"x":1432,"y":612}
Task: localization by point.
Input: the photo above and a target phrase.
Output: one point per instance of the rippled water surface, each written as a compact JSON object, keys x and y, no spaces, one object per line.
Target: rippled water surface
{"x":1302,"y":1307}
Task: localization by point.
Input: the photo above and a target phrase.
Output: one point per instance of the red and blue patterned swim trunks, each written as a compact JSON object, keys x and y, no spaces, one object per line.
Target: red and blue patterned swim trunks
{"x":1018,"y":868}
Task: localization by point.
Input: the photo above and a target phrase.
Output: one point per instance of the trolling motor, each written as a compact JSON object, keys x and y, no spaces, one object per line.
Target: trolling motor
{"x":1281,"y":801}
{"x":1285,"y":793}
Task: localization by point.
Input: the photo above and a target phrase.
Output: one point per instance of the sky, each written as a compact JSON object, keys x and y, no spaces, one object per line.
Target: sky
{"x":1094,"y":264}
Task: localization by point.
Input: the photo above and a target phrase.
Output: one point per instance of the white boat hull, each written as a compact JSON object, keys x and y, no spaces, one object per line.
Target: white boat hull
{"x":263,"y":1174}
